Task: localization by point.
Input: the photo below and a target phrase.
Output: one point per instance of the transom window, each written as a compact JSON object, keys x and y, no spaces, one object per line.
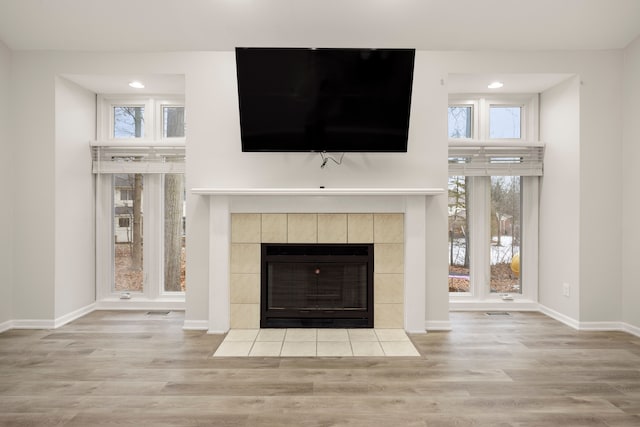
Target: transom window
{"x":128,"y":121}
{"x":172,"y":121}
{"x":152,"y":118}
{"x":505,"y":122}
{"x":461,"y":121}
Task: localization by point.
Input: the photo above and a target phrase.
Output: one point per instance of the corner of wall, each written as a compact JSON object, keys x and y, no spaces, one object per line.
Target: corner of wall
{"x":6,"y":191}
{"x":630,"y":183}
{"x":74,"y":246}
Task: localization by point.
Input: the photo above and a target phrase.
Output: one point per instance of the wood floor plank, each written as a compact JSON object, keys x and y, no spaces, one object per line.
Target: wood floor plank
{"x":133,"y":369}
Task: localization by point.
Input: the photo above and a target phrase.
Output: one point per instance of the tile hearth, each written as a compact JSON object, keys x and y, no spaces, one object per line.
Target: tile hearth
{"x":316,"y":343}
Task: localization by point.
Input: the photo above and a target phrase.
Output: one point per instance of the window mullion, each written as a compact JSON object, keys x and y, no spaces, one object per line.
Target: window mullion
{"x":479,"y":236}
{"x":153,"y":233}
{"x":104,"y":236}
{"x":529,"y":244}
{"x":483,"y":120}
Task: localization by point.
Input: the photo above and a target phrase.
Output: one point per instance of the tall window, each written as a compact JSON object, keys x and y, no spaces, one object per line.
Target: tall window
{"x":506,"y":203}
{"x":128,"y":235}
{"x":141,"y":197}
{"x":174,"y":233}
{"x":494,"y":165}
{"x":459,"y":235}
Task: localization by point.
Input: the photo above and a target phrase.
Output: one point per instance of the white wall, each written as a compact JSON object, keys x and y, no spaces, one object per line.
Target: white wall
{"x":600,"y":103}
{"x":601,"y":191}
{"x":32,"y":101}
{"x":75,"y":125}
{"x":217,"y":159}
{"x":214,"y":159}
{"x":6,"y":188}
{"x":630,"y":185}
{"x":45,"y":285}
{"x":559,"y":252}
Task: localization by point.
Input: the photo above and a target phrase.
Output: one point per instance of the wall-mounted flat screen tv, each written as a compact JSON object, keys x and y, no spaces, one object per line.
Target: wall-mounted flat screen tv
{"x":333,"y":100}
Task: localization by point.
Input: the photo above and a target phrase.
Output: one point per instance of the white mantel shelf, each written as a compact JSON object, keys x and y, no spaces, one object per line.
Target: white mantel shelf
{"x":317,"y":191}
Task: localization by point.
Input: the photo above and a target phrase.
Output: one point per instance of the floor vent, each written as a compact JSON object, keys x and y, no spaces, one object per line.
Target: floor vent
{"x":498,"y":313}
{"x":157,"y":313}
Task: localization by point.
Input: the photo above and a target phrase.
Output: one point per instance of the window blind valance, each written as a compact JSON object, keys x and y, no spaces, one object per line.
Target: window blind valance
{"x":137,"y":157}
{"x":473,"y":158}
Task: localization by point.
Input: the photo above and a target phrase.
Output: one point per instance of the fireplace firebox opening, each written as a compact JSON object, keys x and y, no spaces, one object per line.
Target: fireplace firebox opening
{"x":316,"y":286}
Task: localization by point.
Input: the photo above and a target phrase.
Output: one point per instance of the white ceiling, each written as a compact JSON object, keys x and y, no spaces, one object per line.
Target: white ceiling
{"x":172,"y":25}
{"x":165,"y":84}
{"x":203,"y":25}
{"x":513,"y":83}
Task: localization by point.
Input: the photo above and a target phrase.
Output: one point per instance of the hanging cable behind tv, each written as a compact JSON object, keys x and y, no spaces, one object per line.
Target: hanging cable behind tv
{"x":326,"y":158}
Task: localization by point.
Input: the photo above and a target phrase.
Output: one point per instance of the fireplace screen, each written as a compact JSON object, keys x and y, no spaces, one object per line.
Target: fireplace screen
{"x":317,"y":285}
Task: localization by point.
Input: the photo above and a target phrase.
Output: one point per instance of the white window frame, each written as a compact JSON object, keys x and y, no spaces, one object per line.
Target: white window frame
{"x":479,"y":206}
{"x":529,"y":129}
{"x":153,"y":295}
{"x":159,"y":107}
{"x":152,"y":116}
{"x":463,"y":102}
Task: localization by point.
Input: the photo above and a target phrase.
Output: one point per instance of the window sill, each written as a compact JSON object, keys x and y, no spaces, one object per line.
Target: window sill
{"x":517,"y":304}
{"x":141,"y":303}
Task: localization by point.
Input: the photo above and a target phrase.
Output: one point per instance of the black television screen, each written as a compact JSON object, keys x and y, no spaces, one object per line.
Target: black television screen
{"x":334,"y":100}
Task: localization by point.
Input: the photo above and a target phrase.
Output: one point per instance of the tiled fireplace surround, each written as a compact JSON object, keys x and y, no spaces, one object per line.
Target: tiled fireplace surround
{"x":238,"y":223}
{"x":385,"y":231}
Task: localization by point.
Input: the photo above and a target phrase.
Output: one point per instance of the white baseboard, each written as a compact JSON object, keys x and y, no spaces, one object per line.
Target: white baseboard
{"x":590,"y":326}
{"x":195,"y":325}
{"x":437,"y":325}
{"x":51,"y":324}
{"x":610,"y":326}
{"x":5,"y":326}
{"x":70,"y":317}
{"x":634,"y":330}
{"x":212,"y":332}
{"x":33,"y":324}
{"x":569,"y":321}
{"x":600,"y":326}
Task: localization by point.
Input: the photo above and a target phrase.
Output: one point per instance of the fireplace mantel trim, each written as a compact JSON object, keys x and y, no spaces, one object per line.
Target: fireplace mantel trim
{"x":223,"y":202}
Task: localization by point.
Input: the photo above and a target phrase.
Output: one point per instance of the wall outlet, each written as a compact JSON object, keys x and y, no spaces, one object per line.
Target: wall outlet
{"x":566,"y":289}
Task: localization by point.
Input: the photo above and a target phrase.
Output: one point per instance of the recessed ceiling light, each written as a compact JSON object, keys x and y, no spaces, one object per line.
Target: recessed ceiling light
{"x":495,"y":85}
{"x":136,"y":85}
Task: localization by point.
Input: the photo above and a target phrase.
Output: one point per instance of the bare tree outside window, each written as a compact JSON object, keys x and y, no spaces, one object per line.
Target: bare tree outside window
{"x":460,"y":122}
{"x":174,"y":209}
{"x":174,"y":249}
{"x":458,"y":235}
{"x":506,"y":203}
{"x":128,"y":122}
{"x":128,"y":238}
{"x":128,"y":199}
{"x":172,"y":122}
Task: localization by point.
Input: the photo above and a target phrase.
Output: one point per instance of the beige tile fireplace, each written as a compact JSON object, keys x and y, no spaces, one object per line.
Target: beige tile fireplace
{"x":393,"y":219}
{"x":249,"y":230}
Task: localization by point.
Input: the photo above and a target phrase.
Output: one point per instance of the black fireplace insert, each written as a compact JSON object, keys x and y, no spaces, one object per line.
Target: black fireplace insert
{"x":316,"y":286}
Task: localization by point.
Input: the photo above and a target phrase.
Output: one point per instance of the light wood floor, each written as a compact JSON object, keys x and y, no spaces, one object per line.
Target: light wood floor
{"x":124,"y":368}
